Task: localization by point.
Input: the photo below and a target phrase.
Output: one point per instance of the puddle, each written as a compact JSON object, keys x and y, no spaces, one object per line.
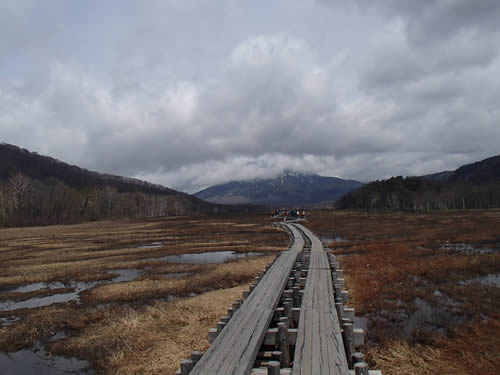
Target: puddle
{"x":328,"y":240}
{"x":37,"y":286}
{"x":39,"y":301}
{"x":208,"y":257}
{"x":151,"y":245}
{"x":9,"y":320}
{"x":491,"y":280}
{"x":467,"y":249}
{"x":77,"y":286}
{"x":168,"y":298}
{"x":27,"y":362}
{"x":125,"y":274}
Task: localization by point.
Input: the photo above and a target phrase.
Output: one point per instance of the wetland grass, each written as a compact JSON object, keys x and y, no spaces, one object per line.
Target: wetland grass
{"x":142,"y":326}
{"x":427,"y":312}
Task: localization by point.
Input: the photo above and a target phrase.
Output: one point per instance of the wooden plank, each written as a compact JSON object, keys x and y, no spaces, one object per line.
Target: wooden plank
{"x":235,"y":349}
{"x":319,"y":348}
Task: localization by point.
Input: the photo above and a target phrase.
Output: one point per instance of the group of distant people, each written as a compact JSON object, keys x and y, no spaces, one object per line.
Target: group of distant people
{"x":290,"y":213}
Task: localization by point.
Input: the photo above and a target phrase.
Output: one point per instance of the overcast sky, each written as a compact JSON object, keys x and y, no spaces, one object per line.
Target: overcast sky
{"x":190,"y":93}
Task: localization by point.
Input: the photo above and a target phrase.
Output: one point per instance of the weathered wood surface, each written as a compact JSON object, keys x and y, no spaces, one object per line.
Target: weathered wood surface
{"x":319,"y":348}
{"x":235,"y":349}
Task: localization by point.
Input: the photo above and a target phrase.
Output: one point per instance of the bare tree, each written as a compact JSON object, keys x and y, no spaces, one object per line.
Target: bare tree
{"x":4,"y":202}
{"x":19,"y":185}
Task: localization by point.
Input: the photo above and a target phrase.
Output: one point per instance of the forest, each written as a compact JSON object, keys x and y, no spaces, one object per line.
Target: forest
{"x":40,"y":190}
{"x":27,"y":201}
{"x":422,"y":194}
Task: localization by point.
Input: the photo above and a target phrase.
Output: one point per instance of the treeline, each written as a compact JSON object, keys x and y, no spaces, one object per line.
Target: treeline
{"x":27,"y":201}
{"x":422,"y":194}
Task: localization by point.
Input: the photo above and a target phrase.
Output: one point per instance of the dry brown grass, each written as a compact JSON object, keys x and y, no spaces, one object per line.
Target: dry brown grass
{"x":128,"y":328}
{"x":213,"y":277}
{"x":447,"y":356}
{"x":152,"y":340}
{"x":86,"y":251}
{"x":413,"y":291}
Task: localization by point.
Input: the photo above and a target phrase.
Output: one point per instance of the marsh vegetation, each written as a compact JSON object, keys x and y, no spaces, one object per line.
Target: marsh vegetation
{"x":132,"y":311}
{"x":428,"y":284}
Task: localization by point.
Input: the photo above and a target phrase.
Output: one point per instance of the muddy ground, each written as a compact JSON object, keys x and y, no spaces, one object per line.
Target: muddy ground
{"x":429,"y":285}
{"x":125,"y":305}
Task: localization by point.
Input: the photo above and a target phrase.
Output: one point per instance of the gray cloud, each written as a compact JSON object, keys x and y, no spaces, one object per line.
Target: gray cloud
{"x":191,"y":94}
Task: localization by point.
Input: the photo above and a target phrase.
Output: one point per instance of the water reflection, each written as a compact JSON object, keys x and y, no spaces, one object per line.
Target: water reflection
{"x":207,"y":257}
{"x":27,"y":362}
{"x":151,"y":245}
{"x":123,"y":274}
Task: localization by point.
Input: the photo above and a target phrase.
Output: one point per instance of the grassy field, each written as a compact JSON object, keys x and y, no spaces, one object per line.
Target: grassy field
{"x":428,"y":283}
{"x":144,"y":326}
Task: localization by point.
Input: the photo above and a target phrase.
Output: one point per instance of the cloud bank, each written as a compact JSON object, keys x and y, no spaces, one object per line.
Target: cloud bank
{"x":190,"y":94}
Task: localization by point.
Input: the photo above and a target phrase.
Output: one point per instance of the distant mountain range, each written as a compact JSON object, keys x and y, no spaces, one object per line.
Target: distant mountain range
{"x":288,"y":189}
{"x":475,"y":185}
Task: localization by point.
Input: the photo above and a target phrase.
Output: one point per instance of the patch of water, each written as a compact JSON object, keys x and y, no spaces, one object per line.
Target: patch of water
{"x":77,"y":286}
{"x":38,"y":301}
{"x":168,"y":298}
{"x":72,"y":284}
{"x":466,"y":248}
{"x":207,"y":257}
{"x":27,"y":362}
{"x":327,"y":240}
{"x":8,"y":321}
{"x":37,"y":286}
{"x":490,"y":280}
{"x":151,"y":245}
{"x":125,"y":274}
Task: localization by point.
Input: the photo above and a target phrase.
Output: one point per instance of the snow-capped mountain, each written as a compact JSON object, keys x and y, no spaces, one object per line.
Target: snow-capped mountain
{"x":288,"y":189}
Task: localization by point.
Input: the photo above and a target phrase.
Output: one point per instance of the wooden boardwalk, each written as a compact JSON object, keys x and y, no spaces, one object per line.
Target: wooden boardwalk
{"x":319,"y":348}
{"x":236,"y":347}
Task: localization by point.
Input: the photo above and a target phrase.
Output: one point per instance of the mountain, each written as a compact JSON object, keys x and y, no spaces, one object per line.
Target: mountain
{"x":475,"y":185}
{"x":288,"y":189}
{"x":37,"y":189}
{"x":14,"y":159}
{"x":484,"y":171}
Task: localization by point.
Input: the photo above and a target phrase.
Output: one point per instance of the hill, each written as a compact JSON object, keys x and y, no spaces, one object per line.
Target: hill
{"x":475,"y":185}
{"x":14,"y":159}
{"x":288,"y":189}
{"x":37,"y":189}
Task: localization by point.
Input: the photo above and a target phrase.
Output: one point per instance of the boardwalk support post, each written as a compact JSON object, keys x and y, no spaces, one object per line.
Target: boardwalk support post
{"x":287,"y":311}
{"x":220,"y":327}
{"x":296,"y":296}
{"x":276,"y":356}
{"x":347,"y":335}
{"x":284,"y":344}
{"x":340,"y":308}
{"x":196,"y":356}
{"x":361,"y":368}
{"x":186,"y":366}
{"x":273,"y":368}
{"x":212,"y":334}
{"x":358,"y":357}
